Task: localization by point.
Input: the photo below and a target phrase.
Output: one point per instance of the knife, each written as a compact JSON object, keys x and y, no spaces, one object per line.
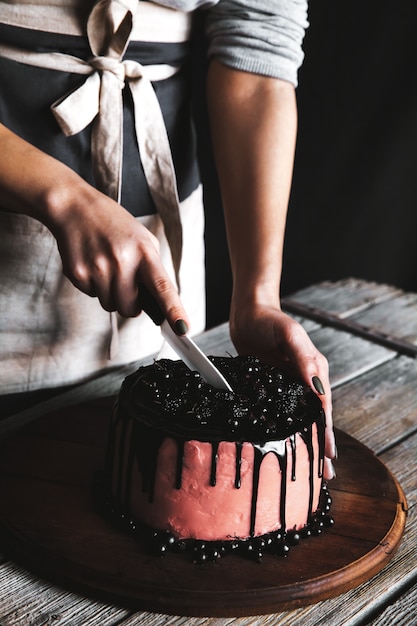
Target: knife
{"x":183,"y":345}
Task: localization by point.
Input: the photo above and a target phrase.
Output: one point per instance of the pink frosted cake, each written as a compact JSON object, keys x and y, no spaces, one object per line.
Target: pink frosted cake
{"x":211,"y":471}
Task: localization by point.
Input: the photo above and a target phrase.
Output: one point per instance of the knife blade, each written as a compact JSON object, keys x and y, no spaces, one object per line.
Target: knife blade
{"x":183,"y":345}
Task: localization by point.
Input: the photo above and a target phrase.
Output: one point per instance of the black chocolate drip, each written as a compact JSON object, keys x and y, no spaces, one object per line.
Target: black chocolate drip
{"x":238,"y":477}
{"x":294,"y":457}
{"x":279,"y":449}
{"x":214,"y":459}
{"x":180,"y":462}
{"x":321,"y":442}
{"x":307,"y":436}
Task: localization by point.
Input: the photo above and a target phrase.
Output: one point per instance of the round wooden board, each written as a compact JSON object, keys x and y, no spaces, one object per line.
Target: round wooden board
{"x":49,"y":524}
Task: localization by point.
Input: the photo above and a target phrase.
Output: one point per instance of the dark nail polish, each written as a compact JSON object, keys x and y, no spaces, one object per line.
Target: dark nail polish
{"x":318,"y":385}
{"x":181,"y":327}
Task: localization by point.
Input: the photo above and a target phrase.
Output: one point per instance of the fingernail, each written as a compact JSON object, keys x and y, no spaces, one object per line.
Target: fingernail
{"x":333,"y":470}
{"x":318,"y":385}
{"x":181,"y":327}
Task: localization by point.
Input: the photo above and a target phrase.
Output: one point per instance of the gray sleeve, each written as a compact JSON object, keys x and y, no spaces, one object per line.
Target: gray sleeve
{"x":260,"y":36}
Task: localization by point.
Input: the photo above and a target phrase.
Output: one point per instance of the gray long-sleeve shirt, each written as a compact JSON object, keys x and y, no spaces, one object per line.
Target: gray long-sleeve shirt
{"x":259,"y":36}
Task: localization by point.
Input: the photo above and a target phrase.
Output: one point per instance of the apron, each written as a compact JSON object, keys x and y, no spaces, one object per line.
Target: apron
{"x":51,"y":334}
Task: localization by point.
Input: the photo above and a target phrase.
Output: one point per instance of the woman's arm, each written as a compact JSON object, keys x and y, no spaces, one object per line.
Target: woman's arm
{"x":253,"y":123}
{"x":105,"y":251}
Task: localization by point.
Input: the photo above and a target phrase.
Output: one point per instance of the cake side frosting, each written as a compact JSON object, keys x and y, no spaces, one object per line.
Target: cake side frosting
{"x":259,"y":497}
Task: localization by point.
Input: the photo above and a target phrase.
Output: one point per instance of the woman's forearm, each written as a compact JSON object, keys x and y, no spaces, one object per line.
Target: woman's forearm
{"x":253,"y":122}
{"x":34,"y":183}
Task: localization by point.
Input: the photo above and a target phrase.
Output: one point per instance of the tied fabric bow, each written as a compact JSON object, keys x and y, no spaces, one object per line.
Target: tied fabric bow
{"x":99,"y":101}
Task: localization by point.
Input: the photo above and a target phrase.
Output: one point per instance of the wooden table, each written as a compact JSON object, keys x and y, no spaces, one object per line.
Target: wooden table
{"x":369,"y":334}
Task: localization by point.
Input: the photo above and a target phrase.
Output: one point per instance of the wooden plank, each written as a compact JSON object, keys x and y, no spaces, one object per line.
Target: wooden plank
{"x":370,"y":305}
{"x":401,"y":613}
{"x":25,"y":599}
{"x":349,"y":357}
{"x":380,"y":407}
{"x":386,"y":315}
{"x":159,"y":619}
{"x":390,"y":340}
{"x":345,"y":297}
{"x":397,"y":317}
{"x":390,"y":321}
{"x":401,"y":461}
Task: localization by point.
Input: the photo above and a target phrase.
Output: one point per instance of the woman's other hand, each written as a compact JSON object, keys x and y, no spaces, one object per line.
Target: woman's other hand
{"x":275,"y":338}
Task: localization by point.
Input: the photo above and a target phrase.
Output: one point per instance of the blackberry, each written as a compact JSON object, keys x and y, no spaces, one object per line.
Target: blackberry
{"x":171,"y":406}
{"x":260,"y":391}
{"x":239,"y":412}
{"x":203,"y":415}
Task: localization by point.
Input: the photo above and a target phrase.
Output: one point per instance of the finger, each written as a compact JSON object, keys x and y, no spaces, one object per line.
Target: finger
{"x":328,"y":469}
{"x":126,"y":293}
{"x":106,"y":294}
{"x":313,"y":369}
{"x":330,"y":441}
{"x":325,"y":395}
{"x":103,"y":283}
{"x":166,"y":295}
{"x":96,"y":285}
{"x":323,"y":391}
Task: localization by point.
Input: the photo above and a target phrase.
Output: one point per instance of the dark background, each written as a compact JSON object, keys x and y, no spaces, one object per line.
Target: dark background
{"x":353,"y":207}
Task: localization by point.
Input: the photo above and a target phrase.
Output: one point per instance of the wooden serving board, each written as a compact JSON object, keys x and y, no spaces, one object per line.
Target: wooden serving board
{"x":49,"y":524}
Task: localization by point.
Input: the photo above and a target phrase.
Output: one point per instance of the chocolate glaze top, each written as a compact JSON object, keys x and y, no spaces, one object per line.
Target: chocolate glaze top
{"x":265,"y":405}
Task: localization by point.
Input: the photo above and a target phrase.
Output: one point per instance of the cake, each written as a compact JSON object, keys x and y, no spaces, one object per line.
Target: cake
{"x":207,"y":471}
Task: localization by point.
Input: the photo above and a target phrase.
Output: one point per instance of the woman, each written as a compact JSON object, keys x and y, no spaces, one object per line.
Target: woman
{"x":98,"y":177}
